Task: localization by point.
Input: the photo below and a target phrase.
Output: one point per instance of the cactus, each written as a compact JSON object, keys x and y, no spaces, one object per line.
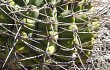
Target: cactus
{"x":48,"y":31}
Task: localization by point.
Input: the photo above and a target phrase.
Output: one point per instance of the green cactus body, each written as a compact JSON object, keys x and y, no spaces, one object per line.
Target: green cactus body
{"x":66,"y":20}
{"x":21,"y":2}
{"x":60,"y":28}
{"x":81,"y":18}
{"x":29,"y":19}
{"x":2,"y":40}
{"x":67,"y":34}
{"x":77,"y":7}
{"x":4,"y":16}
{"x":37,"y":3}
{"x":22,"y":48}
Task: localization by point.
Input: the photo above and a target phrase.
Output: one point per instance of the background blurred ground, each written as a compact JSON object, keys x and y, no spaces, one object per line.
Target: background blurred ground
{"x":101,"y":53}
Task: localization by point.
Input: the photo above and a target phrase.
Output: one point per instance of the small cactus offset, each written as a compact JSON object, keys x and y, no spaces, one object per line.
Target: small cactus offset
{"x":41,"y":34}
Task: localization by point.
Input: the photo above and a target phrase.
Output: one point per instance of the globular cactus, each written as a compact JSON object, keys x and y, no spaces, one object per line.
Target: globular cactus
{"x":47,"y":32}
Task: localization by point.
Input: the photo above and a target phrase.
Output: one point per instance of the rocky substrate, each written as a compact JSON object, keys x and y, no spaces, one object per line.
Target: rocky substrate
{"x":100,"y":59}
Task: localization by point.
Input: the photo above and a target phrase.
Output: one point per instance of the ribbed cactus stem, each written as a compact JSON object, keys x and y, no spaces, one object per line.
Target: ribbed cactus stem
{"x":51,"y":29}
{"x":57,"y":30}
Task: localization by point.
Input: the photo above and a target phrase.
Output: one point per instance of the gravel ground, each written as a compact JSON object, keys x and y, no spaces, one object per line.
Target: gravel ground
{"x":100,"y":59}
